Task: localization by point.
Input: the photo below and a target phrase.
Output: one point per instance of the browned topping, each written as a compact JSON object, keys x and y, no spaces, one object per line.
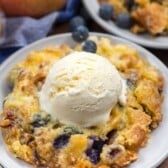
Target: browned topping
{"x":5,"y":123}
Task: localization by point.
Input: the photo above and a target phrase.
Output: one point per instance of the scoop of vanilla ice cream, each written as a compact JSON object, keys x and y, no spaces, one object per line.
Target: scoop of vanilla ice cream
{"x":81,"y":89}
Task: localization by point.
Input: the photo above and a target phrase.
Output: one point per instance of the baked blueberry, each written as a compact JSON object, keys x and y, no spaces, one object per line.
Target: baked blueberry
{"x":124,"y":20}
{"x":61,"y":141}
{"x":111,"y":136}
{"x":39,"y":121}
{"x":89,"y":46}
{"x":76,"y":22}
{"x":80,"y":34}
{"x":106,"y":11}
{"x":94,"y":155}
{"x":94,"y":151}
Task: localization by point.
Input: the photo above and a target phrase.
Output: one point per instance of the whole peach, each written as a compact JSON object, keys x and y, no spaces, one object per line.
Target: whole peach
{"x":34,"y":8}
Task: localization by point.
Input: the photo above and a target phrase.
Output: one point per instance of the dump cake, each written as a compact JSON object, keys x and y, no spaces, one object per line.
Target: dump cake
{"x":31,"y":132}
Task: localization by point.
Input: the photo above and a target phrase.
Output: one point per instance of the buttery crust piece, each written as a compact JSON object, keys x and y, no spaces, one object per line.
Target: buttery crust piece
{"x":153,"y":17}
{"x":31,"y":135}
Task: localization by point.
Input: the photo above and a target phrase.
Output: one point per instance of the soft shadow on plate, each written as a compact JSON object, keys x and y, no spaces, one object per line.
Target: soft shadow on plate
{"x":160,"y":42}
{"x":150,"y":156}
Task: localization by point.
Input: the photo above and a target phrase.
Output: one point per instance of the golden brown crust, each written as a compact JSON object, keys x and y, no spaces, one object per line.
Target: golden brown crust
{"x":148,"y":96}
{"x":153,"y":17}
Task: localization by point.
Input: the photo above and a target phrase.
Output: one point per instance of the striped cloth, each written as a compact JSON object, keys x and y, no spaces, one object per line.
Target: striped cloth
{"x":21,"y":31}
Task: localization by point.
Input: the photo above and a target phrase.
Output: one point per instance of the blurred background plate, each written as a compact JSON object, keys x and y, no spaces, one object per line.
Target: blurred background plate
{"x":149,"y":157}
{"x":159,"y":42}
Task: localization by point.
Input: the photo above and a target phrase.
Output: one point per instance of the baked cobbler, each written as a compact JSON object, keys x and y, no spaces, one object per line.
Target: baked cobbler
{"x":32,"y":134}
{"x":147,"y":15}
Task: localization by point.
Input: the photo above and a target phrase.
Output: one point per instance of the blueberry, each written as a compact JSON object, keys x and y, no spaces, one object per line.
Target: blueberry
{"x":39,"y":121}
{"x":94,"y":151}
{"x":75,"y":22}
{"x":132,"y":80}
{"x":94,"y":155}
{"x":111,"y":136}
{"x":97,"y":143}
{"x":61,"y":141}
{"x":80,"y":34}
{"x":106,"y":11}
{"x":89,"y":46}
{"x":131,"y":83}
{"x":124,"y":20}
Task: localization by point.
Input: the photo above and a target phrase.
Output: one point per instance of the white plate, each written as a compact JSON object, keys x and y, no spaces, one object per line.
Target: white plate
{"x":149,"y":157}
{"x":147,"y":40}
